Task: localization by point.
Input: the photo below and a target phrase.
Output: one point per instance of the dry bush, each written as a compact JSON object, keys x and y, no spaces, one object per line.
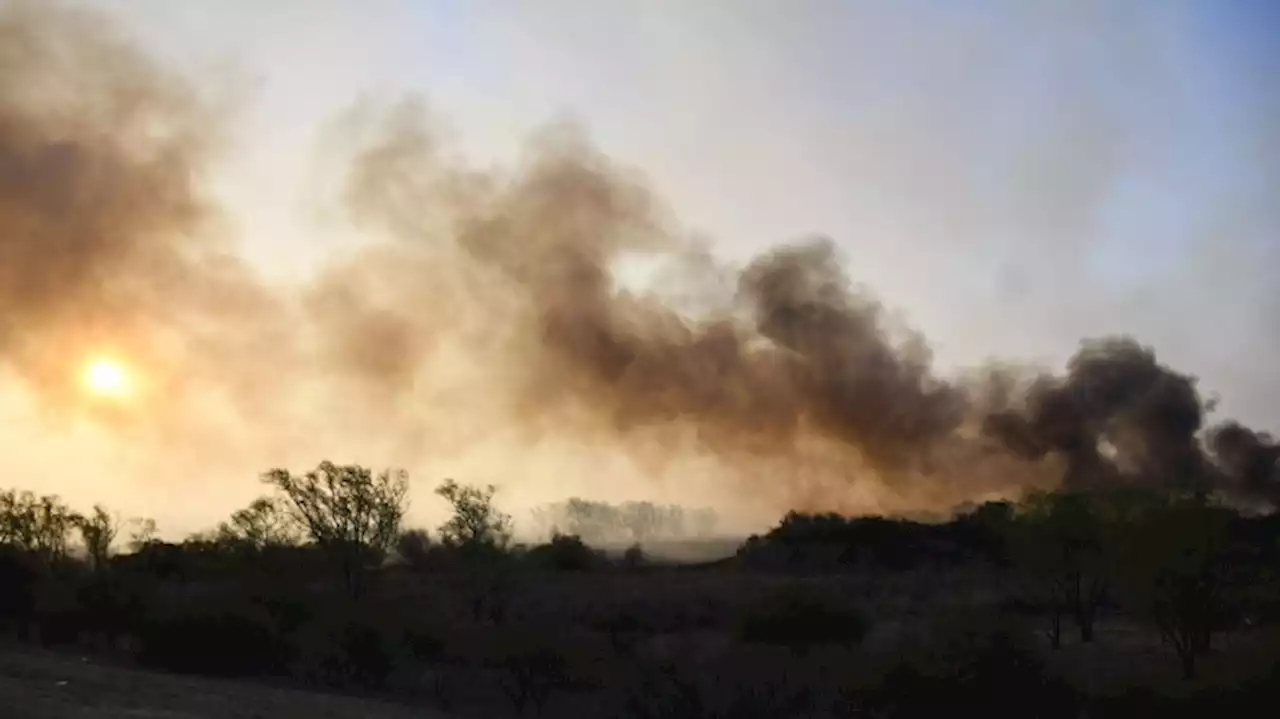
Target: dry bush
{"x":799,"y":620}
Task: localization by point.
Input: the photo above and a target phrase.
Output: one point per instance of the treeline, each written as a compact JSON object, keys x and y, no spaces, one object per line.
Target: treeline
{"x":1188,"y":565}
{"x":320,"y":581}
{"x":283,"y":587}
{"x":603,"y":523}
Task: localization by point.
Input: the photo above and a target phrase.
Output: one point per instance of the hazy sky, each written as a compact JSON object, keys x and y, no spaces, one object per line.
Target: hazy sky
{"x":1011,"y":176}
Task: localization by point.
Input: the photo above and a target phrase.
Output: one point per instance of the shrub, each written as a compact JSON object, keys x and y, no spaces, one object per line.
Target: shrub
{"x":664,"y":692}
{"x":229,"y":640}
{"x":114,"y":601}
{"x":565,"y":553}
{"x":634,"y":557}
{"x":360,"y":654}
{"x":798,"y":621}
{"x":424,"y":645}
{"x":19,"y":573}
{"x":988,"y":673}
{"x":624,"y":630}
{"x":287,"y":611}
{"x":532,"y":669}
{"x":414,"y":548}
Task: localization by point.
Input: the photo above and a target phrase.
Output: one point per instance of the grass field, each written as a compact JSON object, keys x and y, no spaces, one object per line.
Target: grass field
{"x":685,"y":637}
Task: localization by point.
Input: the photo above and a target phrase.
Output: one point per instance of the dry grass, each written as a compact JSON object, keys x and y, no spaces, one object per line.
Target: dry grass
{"x":681,"y":629}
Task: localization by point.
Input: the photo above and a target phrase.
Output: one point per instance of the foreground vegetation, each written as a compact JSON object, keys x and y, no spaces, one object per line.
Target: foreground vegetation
{"x":1062,"y":604}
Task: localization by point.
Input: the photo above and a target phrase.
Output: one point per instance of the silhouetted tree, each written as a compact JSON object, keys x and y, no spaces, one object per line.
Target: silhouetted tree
{"x":41,"y":525}
{"x":633,"y":557}
{"x":1065,"y":545}
{"x":263,"y":524}
{"x":98,"y":531}
{"x":565,"y":552}
{"x":1180,"y":570}
{"x":476,"y":522}
{"x":985,"y":530}
{"x":350,"y":513}
{"x":413,"y":546}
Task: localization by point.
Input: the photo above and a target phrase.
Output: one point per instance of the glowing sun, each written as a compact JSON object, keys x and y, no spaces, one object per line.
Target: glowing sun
{"x":106,"y":378}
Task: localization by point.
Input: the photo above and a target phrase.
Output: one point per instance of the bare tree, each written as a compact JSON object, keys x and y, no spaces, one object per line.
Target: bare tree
{"x":349,"y":512}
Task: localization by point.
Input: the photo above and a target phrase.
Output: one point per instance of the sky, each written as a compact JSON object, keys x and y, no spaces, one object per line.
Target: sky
{"x":1010,"y":177}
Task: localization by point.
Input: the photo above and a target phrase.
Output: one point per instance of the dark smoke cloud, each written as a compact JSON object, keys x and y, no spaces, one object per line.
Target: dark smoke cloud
{"x":800,"y":354}
{"x":1249,"y":459}
{"x":490,"y":301}
{"x":1116,"y":395}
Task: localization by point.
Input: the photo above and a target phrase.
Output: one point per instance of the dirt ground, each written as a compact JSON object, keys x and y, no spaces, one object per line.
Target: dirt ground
{"x":41,"y":685}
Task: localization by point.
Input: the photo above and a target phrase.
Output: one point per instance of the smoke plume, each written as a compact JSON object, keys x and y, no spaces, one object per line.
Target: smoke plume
{"x":487,"y":303}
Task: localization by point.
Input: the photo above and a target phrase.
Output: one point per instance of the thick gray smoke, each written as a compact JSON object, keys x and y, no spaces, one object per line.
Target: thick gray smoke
{"x":801,"y":353}
{"x":1119,"y":415}
{"x":490,"y":301}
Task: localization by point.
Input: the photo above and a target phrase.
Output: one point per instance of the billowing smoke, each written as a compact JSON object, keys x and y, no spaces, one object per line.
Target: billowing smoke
{"x":800,"y":355}
{"x":487,"y":302}
{"x":107,"y":238}
{"x":1115,"y":400}
{"x":1249,"y":459}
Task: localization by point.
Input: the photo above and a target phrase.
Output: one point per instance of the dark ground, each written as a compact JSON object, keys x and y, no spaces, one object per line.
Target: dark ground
{"x":47,"y":685}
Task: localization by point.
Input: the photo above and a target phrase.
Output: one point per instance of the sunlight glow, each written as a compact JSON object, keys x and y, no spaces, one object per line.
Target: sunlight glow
{"x":106,"y":378}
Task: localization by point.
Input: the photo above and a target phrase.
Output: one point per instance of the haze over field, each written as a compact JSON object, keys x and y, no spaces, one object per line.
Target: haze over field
{"x":763,"y":256}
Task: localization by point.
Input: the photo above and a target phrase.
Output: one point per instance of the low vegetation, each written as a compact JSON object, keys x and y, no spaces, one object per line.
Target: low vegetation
{"x":1063,"y":603}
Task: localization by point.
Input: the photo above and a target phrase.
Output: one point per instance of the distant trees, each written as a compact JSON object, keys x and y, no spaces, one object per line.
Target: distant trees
{"x":640,"y":519}
{"x":143,"y":532}
{"x":629,"y":522}
{"x":351,"y":514}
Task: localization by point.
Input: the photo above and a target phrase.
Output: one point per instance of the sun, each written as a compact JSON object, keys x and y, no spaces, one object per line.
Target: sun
{"x":106,"y":377}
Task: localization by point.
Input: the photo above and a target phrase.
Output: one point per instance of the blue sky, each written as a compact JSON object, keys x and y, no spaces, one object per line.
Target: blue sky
{"x":1011,"y":176}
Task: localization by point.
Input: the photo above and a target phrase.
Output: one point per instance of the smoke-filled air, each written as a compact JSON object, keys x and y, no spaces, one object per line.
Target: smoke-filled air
{"x":490,"y":325}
